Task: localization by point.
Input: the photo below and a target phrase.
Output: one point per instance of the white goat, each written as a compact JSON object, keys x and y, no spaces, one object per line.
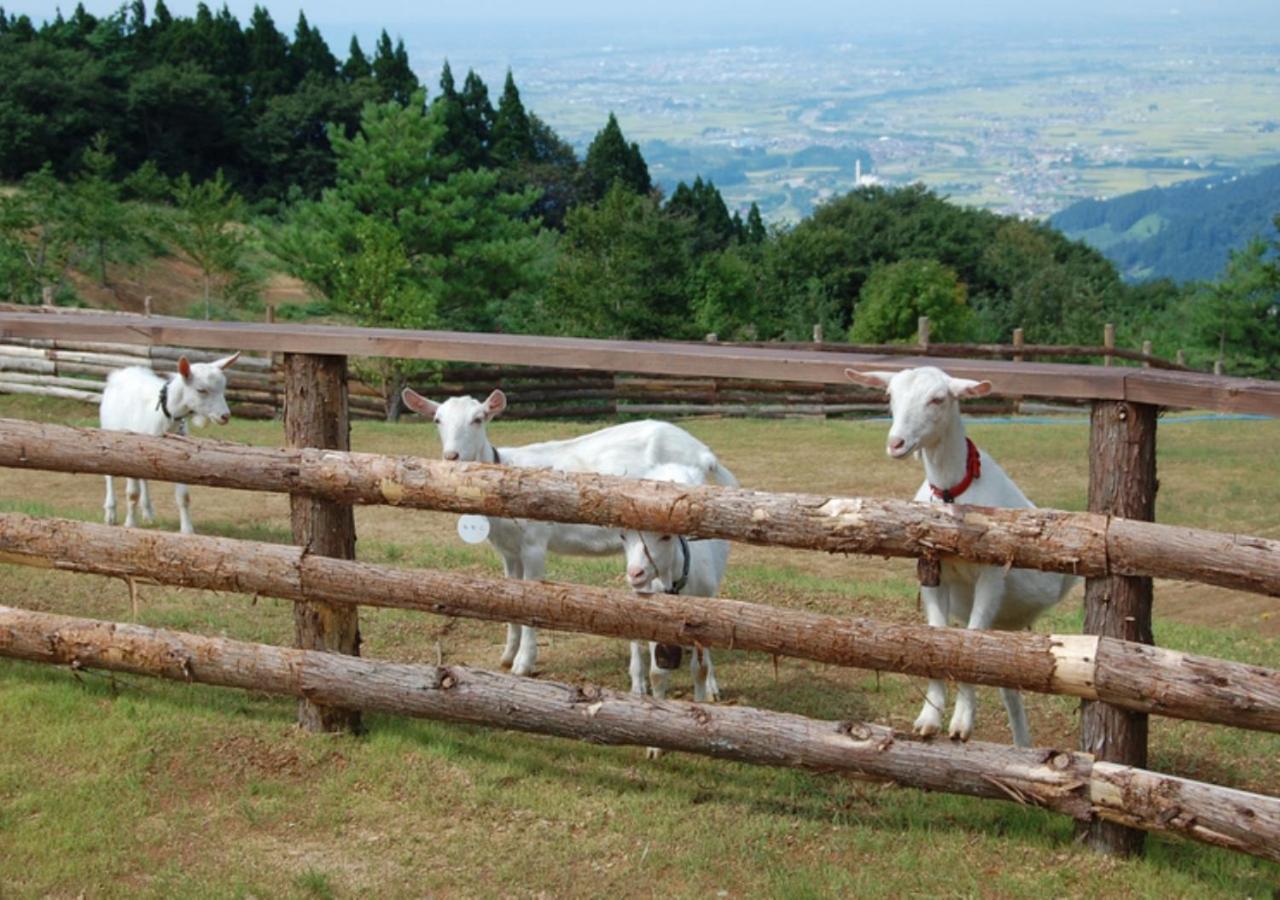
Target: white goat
{"x":659,"y":562}
{"x":625,"y":449}
{"x":137,"y":399}
{"x":926,"y":418}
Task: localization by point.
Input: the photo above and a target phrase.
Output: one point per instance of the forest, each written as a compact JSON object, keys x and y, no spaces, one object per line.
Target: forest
{"x":243,"y":150}
{"x":1184,"y":232}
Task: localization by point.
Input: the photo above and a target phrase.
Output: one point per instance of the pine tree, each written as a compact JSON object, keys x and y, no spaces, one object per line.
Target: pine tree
{"x":357,"y":64}
{"x":703,"y":205}
{"x":401,"y":241}
{"x":512,"y":137}
{"x":610,"y":159}
{"x":554,"y":173}
{"x":477,"y":117}
{"x":756,"y":232}
{"x":309,"y":54}
{"x":392,"y":72}
{"x":269,"y":72}
{"x":99,"y":218}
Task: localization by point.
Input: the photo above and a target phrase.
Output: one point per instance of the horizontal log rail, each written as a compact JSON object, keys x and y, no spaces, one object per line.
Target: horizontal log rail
{"x":1136,"y":676}
{"x":1066,"y":782}
{"x":1087,"y":544}
{"x":934,"y":348}
{"x":1163,"y":388}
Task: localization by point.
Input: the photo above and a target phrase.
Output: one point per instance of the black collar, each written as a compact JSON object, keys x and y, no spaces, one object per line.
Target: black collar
{"x":683,"y":580}
{"x":163,"y":405}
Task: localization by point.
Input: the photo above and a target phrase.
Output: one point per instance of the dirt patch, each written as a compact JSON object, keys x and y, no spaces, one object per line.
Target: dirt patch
{"x":1198,"y":604}
{"x":244,"y":755}
{"x":174,"y":286}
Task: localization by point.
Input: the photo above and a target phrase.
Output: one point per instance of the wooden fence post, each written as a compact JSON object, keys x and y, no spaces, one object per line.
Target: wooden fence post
{"x":1146,"y":351}
{"x":922,"y":333}
{"x":1108,"y":342}
{"x":1180,"y":358}
{"x":817,"y":332}
{"x":315,"y":415}
{"x":1122,"y":482}
{"x":1017,"y":343}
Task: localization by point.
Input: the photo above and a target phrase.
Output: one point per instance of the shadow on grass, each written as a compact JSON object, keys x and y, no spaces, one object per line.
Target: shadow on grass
{"x":545,"y":765}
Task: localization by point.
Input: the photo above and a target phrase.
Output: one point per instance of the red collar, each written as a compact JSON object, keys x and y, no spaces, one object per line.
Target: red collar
{"x":972,"y":472}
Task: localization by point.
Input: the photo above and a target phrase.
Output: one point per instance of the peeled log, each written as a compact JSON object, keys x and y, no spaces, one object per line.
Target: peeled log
{"x":1083,"y":543}
{"x":1063,"y":781}
{"x":1137,"y":677}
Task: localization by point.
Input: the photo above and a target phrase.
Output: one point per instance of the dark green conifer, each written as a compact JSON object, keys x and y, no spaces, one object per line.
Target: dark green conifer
{"x":512,"y":137}
{"x":610,"y":159}
{"x":357,"y":64}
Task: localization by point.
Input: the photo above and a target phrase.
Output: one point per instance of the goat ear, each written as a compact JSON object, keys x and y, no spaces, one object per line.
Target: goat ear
{"x":494,"y":404}
{"x":227,"y":360}
{"x":418,"y":403}
{"x":184,"y":368}
{"x":964,"y":387}
{"x":878,"y":380}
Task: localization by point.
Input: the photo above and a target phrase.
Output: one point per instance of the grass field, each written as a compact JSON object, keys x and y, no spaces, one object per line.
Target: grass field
{"x":123,"y":786}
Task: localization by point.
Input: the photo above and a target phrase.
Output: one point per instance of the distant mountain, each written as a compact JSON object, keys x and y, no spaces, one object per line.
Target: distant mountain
{"x":1183,"y":232}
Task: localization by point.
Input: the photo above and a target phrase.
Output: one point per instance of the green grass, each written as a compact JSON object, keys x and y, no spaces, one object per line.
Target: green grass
{"x":126,"y":786}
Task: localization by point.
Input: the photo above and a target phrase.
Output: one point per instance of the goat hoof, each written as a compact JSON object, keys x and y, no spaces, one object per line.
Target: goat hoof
{"x":506,"y":662}
{"x":960,"y":734}
{"x":926,"y":729}
{"x":653,"y":753}
{"x":522,"y":668}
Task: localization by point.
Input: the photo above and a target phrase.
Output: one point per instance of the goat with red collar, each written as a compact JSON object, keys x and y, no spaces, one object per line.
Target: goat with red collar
{"x":926,"y":418}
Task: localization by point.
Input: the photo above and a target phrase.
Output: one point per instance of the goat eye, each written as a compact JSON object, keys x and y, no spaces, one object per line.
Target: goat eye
{"x":934,"y":401}
{"x":476,"y":421}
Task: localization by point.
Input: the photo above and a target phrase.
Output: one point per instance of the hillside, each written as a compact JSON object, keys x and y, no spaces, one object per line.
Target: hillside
{"x":1184,"y":232}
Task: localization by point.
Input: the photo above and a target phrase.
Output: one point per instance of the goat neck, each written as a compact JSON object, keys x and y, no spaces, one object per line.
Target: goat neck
{"x":946,"y":459}
{"x":177,"y":398}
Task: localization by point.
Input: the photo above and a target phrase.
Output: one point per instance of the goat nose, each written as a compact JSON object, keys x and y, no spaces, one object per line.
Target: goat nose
{"x":896,"y":444}
{"x":451,"y":455}
{"x":635,"y":574}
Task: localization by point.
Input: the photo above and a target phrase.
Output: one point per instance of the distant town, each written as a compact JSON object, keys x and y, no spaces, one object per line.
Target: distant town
{"x":1024,"y":126}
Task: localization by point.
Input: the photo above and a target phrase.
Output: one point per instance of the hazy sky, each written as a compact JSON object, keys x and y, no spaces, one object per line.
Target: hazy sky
{"x":709,"y":16}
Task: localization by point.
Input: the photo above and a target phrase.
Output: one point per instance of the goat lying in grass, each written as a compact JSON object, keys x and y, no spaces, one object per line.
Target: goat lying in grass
{"x":661,"y":562}
{"x":926,"y":418}
{"x":625,"y":449}
{"x":139,"y":400}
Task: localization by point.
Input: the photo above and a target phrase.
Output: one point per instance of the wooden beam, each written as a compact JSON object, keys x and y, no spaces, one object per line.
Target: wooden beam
{"x":315,"y":415}
{"x":1136,"y":677}
{"x":1062,"y":781}
{"x":1122,"y":482}
{"x":1052,"y":540}
{"x":701,"y":359}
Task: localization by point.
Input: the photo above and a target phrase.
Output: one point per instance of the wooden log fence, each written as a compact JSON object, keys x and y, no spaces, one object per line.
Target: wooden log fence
{"x":1099,"y":546}
{"x":1129,"y":675}
{"x":535,"y":391}
{"x":1066,"y":782}
{"x":1088,"y":544}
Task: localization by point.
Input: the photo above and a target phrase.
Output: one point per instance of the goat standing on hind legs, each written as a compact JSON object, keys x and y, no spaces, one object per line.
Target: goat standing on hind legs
{"x":137,"y":399}
{"x":926,"y":418}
